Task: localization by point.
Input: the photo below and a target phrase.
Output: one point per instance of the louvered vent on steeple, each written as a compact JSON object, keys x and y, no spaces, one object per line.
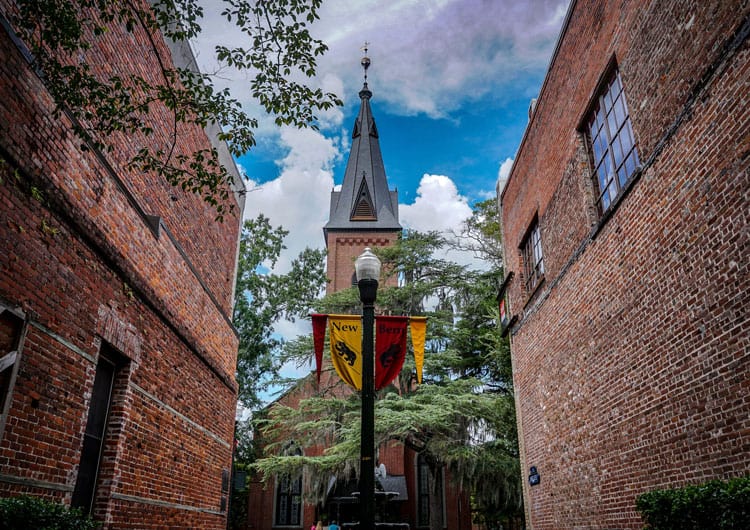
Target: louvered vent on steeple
{"x":363,"y":207}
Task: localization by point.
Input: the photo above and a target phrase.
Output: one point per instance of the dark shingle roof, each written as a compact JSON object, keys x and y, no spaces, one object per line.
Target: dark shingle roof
{"x":364,"y":202}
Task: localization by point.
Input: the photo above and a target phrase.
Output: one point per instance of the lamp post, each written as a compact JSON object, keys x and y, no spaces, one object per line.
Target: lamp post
{"x":367,"y":267}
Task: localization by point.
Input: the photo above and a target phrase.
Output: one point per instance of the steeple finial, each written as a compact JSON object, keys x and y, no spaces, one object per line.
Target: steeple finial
{"x":365,"y":60}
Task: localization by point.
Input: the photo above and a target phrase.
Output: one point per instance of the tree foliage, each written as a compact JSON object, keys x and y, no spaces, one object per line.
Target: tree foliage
{"x":462,"y":417}
{"x":264,"y":298}
{"x":61,"y":34}
{"x":21,"y":513}
{"x":716,"y":504}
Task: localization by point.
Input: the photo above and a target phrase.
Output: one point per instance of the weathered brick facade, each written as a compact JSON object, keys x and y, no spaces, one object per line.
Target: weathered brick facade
{"x":631,"y":358}
{"x":96,"y":258}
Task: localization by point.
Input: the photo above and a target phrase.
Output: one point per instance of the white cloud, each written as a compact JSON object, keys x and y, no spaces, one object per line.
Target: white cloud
{"x":503,"y":173}
{"x":332,"y":118}
{"x":438,"y":206}
{"x":299,"y":198}
{"x":428,"y":56}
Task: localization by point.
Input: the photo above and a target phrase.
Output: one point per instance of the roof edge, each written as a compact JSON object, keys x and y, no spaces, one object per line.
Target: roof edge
{"x":560,"y":37}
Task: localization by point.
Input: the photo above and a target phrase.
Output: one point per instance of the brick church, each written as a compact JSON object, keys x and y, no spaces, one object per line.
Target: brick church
{"x":364,"y":213}
{"x":117,"y":351}
{"x":626,"y":220}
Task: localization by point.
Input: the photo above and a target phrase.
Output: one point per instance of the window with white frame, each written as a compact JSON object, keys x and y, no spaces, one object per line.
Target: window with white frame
{"x":611,"y":142}
{"x":533,"y":259}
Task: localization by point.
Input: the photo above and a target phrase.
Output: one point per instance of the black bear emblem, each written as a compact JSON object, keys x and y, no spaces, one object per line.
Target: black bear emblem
{"x":343,"y":350}
{"x":389,"y":356}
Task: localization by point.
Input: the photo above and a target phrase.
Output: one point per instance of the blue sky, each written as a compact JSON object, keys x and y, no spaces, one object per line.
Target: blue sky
{"x":467,"y":145}
{"x":451,"y":81}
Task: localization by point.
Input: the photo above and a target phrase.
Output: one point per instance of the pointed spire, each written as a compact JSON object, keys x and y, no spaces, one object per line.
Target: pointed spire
{"x":365,"y":60}
{"x":364,"y":202}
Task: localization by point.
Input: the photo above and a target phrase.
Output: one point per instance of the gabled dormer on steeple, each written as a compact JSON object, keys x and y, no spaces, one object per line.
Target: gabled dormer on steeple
{"x":363,"y":207}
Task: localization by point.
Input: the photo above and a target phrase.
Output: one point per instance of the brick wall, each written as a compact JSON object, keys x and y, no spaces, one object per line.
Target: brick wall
{"x":343,"y":249}
{"x":631,"y":359}
{"x":81,"y":263}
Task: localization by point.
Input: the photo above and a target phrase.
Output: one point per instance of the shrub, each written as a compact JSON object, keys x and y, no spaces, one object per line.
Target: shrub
{"x":23,"y":513}
{"x":719,"y":505}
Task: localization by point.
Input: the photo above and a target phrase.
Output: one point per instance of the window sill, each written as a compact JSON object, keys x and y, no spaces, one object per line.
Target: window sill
{"x":609,"y":212}
{"x":534,"y":292}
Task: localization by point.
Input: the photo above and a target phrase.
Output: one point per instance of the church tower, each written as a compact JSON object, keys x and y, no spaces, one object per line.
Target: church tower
{"x":365,"y":212}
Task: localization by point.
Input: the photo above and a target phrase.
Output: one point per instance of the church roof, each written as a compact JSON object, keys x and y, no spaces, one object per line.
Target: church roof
{"x":364,"y":203}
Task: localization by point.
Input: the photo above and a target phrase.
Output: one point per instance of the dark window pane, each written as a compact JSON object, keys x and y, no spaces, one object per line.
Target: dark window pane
{"x":622,"y":176}
{"x":288,"y":501}
{"x":627,"y":139}
{"x":600,"y":117}
{"x":612,"y":124}
{"x":531,"y":250}
{"x":617,"y":151}
{"x":616,"y":87}
{"x":631,"y":163}
{"x":93,"y":440}
{"x":11,"y":328}
{"x":599,"y":149}
{"x":620,"y":111}
{"x":602,"y":174}
{"x":593,"y":128}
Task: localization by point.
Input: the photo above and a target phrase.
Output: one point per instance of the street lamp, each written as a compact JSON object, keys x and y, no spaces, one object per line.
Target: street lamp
{"x":367,"y":267}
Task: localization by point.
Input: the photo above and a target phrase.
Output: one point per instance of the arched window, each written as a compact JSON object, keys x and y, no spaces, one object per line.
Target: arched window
{"x":288,"y":510}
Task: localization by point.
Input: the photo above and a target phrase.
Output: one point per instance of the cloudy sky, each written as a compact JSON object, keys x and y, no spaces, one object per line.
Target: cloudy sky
{"x":451,"y":82}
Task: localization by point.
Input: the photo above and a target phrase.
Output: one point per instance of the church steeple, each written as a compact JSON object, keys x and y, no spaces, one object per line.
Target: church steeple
{"x":364,"y":203}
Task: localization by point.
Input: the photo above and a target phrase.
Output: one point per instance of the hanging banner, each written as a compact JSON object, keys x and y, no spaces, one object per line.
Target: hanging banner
{"x":390,"y":348}
{"x":346,"y":347}
{"x":319,"y":336}
{"x":418,"y":332}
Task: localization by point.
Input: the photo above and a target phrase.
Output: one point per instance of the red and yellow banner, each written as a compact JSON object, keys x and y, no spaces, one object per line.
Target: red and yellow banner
{"x":418,"y":332}
{"x":390,"y":348}
{"x":319,"y":336}
{"x":346,"y":347}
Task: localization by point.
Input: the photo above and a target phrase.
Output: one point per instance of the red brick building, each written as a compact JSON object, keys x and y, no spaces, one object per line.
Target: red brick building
{"x":117,"y":352}
{"x":364,"y":213}
{"x":626,"y":219}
